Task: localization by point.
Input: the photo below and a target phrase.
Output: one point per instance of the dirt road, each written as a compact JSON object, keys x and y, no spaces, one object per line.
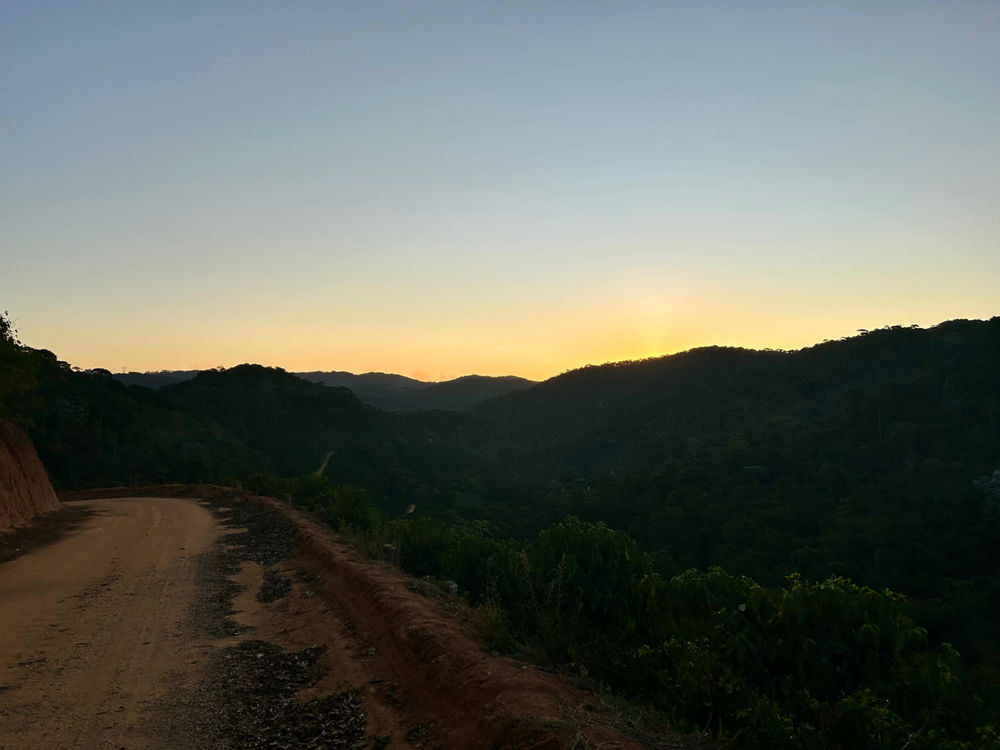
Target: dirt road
{"x":93,"y":628}
{"x":230,"y":622}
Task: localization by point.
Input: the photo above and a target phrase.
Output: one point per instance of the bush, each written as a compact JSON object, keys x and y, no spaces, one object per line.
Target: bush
{"x":810,"y":665}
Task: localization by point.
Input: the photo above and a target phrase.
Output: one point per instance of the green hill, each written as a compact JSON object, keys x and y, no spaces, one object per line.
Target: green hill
{"x":863,"y":457}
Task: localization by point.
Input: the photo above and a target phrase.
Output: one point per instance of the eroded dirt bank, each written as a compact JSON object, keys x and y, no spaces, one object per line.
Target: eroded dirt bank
{"x":25,"y":490}
{"x":477,"y":700}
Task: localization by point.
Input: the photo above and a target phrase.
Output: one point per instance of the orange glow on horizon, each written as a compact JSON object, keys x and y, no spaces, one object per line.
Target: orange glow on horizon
{"x":597,"y":335}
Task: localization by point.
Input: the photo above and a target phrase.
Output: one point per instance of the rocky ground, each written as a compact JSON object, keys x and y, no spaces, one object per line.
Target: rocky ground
{"x":248,"y":696}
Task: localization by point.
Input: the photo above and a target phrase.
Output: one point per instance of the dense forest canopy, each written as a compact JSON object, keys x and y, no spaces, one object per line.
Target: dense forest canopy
{"x":869,"y":462}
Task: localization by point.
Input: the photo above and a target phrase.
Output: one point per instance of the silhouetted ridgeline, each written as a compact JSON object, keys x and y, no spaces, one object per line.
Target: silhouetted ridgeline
{"x":154,"y":380}
{"x":398,"y":393}
{"x":727,"y":385}
{"x":385,"y":391}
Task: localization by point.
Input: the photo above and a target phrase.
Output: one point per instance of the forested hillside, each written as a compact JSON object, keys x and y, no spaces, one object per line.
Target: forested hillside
{"x":867,"y":458}
{"x":867,"y":464}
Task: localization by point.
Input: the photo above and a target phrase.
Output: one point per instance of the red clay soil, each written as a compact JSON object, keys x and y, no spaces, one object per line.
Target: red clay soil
{"x":25,"y":490}
{"x":473,"y":699}
{"x":478,"y":700}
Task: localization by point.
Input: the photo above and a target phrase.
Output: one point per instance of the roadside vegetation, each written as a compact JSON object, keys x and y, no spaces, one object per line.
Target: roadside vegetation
{"x":825,"y":664}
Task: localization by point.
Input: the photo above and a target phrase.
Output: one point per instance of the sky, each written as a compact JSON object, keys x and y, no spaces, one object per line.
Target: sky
{"x":445,"y":188}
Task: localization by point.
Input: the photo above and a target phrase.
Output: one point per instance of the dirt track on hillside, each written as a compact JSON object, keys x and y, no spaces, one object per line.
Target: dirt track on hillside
{"x":103,"y":645}
{"x":94,"y":626}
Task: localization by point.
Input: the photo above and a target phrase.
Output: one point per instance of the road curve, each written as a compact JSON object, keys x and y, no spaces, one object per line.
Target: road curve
{"x":94,"y":628}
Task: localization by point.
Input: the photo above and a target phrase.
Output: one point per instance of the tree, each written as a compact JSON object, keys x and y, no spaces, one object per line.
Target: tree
{"x":16,"y":371}
{"x":8,"y":334}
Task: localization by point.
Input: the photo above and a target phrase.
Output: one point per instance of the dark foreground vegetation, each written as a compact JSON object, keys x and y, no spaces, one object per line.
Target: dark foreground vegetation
{"x":717,"y":533}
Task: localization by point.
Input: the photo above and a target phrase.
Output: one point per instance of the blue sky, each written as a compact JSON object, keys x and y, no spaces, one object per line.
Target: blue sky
{"x":444,"y":188}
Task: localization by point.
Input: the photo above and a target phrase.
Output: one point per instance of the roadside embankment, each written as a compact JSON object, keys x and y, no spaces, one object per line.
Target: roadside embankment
{"x":478,"y":700}
{"x":25,"y":489}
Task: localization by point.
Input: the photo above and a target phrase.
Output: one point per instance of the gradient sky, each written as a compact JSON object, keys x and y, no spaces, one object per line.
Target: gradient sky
{"x":439,"y":188}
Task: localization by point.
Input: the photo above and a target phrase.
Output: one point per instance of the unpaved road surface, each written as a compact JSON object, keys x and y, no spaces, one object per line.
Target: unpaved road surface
{"x":93,"y":628}
{"x":230,"y":622}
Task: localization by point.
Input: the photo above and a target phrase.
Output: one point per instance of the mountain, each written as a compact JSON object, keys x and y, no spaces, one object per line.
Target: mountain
{"x":450,"y":395}
{"x":291,"y":421}
{"x":91,"y":430}
{"x":256,"y":390}
{"x":154,"y":380}
{"x":715,"y":390}
{"x":369,"y":380}
{"x":221,"y":426}
{"x":383,"y":390}
{"x":869,"y":458}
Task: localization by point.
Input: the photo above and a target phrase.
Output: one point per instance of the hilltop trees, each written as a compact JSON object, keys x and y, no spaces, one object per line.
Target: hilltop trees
{"x":8,"y":335}
{"x":16,"y":372}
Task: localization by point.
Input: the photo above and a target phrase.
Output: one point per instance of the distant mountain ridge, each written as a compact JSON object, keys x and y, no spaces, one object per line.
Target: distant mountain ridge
{"x":386,"y":391}
{"x":450,"y":395}
{"x":721,"y":388}
{"x":155,"y":380}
